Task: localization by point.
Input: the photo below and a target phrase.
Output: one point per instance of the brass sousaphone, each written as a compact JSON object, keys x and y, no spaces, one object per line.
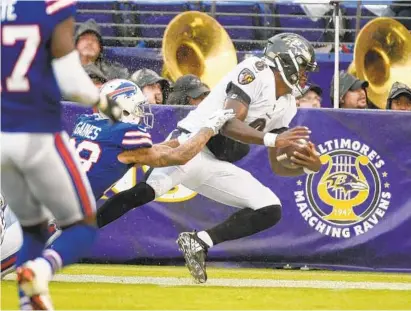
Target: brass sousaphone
{"x":196,"y":43}
{"x":382,"y":56}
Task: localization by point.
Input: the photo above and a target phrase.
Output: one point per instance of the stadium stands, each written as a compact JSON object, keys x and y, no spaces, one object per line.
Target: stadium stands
{"x":249,"y":23}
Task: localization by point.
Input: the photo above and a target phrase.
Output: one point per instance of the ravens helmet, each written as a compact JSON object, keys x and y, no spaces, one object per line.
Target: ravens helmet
{"x":290,"y":53}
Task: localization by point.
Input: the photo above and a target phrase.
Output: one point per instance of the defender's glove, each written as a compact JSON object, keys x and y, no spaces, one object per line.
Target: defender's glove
{"x":109,"y":108}
{"x":218,"y":119}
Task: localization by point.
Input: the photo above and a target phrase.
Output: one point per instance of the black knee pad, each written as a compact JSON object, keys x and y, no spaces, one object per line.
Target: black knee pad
{"x":124,"y":201}
{"x":140,"y":194}
{"x":245,"y":222}
{"x":268,"y":216}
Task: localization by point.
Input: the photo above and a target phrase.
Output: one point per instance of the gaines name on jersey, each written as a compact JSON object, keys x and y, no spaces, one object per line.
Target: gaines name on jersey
{"x":87,"y":130}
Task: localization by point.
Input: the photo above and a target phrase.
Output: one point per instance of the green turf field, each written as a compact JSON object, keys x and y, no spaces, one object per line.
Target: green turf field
{"x":96,"y":287}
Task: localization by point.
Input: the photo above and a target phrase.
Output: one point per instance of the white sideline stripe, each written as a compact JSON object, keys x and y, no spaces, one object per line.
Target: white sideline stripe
{"x":172,"y":281}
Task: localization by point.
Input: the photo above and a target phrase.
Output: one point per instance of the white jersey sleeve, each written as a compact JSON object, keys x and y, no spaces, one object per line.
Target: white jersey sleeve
{"x":244,"y":80}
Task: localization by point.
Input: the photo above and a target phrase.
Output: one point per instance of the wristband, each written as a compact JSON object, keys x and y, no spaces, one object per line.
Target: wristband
{"x":308,"y":171}
{"x":183,"y":138}
{"x":269,"y":139}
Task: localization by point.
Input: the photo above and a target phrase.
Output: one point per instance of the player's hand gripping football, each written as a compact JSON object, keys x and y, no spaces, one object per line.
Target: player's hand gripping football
{"x":311,"y":160}
{"x":291,"y":136}
{"x":109,"y":108}
{"x":218,"y":119}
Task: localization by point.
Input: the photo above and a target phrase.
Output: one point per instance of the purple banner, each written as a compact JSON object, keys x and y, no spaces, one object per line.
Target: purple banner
{"x":355,"y":213}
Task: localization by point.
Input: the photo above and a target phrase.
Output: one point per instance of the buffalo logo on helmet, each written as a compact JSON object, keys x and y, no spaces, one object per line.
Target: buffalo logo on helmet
{"x":246,"y":76}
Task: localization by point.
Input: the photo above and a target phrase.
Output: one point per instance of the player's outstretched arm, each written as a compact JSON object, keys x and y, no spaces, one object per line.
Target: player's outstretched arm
{"x":172,"y":143}
{"x":162,"y":155}
{"x":238,"y":130}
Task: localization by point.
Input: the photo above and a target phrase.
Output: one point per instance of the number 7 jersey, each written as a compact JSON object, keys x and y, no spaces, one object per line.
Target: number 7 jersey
{"x":98,"y":144}
{"x":30,"y":95}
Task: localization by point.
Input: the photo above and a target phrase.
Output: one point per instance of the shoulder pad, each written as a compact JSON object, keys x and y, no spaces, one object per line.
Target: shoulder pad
{"x":259,"y":65}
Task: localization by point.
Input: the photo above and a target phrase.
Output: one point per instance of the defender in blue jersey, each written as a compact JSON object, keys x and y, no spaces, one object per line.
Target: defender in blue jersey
{"x":98,"y":144}
{"x":108,"y":152}
{"x":40,"y":172}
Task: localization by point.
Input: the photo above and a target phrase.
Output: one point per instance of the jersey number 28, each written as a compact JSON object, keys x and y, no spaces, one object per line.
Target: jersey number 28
{"x":93,"y":149}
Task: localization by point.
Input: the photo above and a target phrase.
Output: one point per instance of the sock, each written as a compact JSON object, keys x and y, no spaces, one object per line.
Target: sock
{"x":73,"y":244}
{"x":124,"y":201}
{"x":245,"y":223}
{"x":34,"y":239}
{"x":205,"y":237}
{"x":24,"y":301}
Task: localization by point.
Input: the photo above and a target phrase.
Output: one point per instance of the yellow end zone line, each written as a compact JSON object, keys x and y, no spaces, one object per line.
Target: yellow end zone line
{"x":226,"y":282}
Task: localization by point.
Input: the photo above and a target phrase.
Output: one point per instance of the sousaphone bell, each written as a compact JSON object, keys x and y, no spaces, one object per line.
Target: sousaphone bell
{"x":382,"y":56}
{"x":196,"y":43}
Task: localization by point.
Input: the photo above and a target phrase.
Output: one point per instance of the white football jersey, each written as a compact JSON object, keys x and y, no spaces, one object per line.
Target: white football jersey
{"x":257,"y":81}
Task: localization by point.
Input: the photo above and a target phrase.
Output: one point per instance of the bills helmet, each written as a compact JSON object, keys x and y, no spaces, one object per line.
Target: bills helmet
{"x":290,"y":54}
{"x":131,"y":100}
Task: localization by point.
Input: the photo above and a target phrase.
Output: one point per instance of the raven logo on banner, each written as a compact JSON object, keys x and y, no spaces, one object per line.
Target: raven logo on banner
{"x":350,"y":195}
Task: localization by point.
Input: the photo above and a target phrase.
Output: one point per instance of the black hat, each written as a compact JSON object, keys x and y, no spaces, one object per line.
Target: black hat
{"x":146,"y":76}
{"x":89,"y":26}
{"x":347,"y":83}
{"x":313,"y":87}
{"x":398,"y":89}
{"x":191,"y":86}
{"x":187,"y":85}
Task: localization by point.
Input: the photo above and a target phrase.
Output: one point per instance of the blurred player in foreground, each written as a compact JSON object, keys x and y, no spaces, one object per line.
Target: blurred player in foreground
{"x":259,"y":91}
{"x":39,"y":169}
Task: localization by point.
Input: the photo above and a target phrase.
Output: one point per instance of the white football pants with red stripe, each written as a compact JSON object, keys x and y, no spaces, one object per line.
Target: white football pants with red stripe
{"x":41,"y":173}
{"x":11,"y":242}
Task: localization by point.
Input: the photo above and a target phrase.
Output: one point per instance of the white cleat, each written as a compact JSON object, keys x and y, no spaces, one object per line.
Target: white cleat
{"x":33,"y":279}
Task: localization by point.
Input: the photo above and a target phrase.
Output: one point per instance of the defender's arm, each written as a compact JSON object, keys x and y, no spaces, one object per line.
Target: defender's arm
{"x":162,"y":155}
{"x":172,"y":143}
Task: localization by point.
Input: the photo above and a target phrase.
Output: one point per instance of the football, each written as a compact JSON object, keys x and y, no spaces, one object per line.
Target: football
{"x":284,"y":154}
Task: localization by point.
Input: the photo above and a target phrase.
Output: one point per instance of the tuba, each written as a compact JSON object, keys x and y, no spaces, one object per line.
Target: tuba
{"x":382,"y":56}
{"x":196,"y":43}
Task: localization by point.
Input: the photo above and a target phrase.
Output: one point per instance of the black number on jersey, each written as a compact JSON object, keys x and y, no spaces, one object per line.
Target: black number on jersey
{"x":258,"y":124}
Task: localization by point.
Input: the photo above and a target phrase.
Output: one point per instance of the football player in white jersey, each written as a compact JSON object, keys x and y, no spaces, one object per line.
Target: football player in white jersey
{"x":11,"y":237}
{"x":259,"y":91}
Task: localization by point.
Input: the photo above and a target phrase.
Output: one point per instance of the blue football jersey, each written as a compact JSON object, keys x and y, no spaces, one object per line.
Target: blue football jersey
{"x":98,"y":144}
{"x":30,"y":95}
